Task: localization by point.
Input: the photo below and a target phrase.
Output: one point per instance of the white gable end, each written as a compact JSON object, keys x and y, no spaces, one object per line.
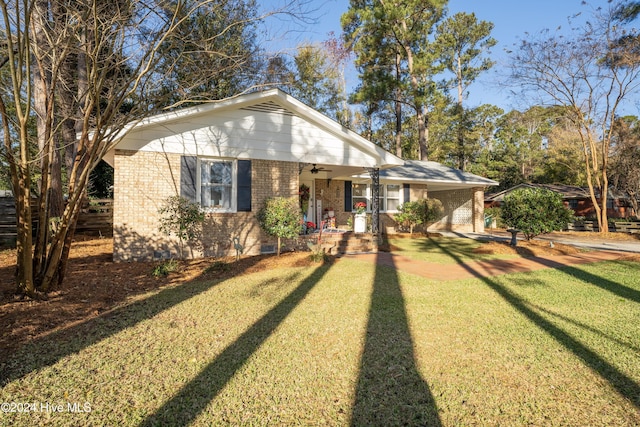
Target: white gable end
{"x":258,"y":135}
{"x":274,"y":128}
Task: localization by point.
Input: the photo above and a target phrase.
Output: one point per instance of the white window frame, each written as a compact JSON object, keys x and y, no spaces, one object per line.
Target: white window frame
{"x":367,"y":196}
{"x":383,"y":197}
{"x":386,"y":196}
{"x":234,"y":184}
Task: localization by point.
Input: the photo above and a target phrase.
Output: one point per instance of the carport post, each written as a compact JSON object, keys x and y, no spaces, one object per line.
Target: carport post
{"x":375,"y":205}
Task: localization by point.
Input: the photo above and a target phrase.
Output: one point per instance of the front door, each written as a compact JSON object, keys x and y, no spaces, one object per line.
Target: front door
{"x":310,"y":211}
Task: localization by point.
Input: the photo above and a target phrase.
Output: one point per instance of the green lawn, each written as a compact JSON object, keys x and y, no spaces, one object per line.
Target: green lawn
{"x":349,"y":343}
{"x":442,"y":250}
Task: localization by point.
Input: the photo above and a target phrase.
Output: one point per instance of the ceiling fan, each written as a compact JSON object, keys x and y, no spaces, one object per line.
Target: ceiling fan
{"x":315,"y":169}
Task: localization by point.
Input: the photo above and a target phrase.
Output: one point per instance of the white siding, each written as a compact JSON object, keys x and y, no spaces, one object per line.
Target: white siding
{"x":250,"y":134}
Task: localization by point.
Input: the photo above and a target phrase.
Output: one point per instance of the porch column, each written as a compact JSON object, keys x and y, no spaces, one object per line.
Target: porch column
{"x":477,"y":193}
{"x":375,"y":206}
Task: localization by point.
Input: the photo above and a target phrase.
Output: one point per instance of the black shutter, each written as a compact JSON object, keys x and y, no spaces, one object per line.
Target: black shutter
{"x":407,"y":193}
{"x":188,"y":177}
{"x":244,"y":186}
{"x":347,"y":196}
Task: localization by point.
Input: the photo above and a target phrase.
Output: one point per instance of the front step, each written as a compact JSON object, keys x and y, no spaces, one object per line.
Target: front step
{"x":348,"y":242}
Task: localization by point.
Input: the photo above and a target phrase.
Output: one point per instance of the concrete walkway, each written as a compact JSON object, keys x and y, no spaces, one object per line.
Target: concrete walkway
{"x":573,"y":239}
{"x":479,"y":269}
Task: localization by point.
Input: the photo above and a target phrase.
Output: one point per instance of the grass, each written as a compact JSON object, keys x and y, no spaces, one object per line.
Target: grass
{"x":441,"y":250}
{"x":350,"y":343}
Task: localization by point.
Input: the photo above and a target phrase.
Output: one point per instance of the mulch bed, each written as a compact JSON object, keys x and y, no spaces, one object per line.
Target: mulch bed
{"x":527,"y":248}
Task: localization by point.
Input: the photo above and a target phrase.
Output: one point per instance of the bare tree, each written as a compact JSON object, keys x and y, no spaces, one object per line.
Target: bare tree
{"x":590,"y":74}
{"x":625,"y":164}
{"x":89,"y":66}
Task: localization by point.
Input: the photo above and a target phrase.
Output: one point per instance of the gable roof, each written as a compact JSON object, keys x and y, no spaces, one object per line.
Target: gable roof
{"x":436,"y":175}
{"x":567,"y":191}
{"x":270,"y":125}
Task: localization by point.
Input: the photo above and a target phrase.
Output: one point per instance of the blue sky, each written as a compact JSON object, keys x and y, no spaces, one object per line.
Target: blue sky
{"x":511,"y":19}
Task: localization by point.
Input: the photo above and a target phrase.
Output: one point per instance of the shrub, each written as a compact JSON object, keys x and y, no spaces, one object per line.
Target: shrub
{"x":181,"y":218}
{"x":535,"y":211}
{"x":317,"y":253}
{"x":280,"y":217}
{"x":418,"y":212}
{"x":164,"y":268}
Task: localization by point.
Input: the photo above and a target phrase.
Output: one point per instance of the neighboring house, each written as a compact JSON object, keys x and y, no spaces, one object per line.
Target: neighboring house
{"x":576,"y":198}
{"x":230,"y":156}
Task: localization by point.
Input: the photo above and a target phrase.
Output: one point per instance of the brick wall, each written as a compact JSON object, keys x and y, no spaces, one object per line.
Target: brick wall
{"x":331,"y":193}
{"x":460,"y":210}
{"x":143,"y":181}
{"x":418,"y":192}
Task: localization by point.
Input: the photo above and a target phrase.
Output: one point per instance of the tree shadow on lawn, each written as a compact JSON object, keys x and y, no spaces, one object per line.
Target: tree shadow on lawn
{"x":592,"y":279}
{"x":390,"y":389}
{"x":194,"y":397}
{"x":49,"y":349}
{"x":586,"y":327}
{"x":503,"y":266}
{"x":461,"y":245}
{"x":625,"y":385}
{"x":608,"y":285}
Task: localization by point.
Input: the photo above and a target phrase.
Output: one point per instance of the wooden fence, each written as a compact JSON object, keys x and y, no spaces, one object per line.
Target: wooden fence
{"x":617,"y":226}
{"x":96,"y":217}
{"x":7,"y":220}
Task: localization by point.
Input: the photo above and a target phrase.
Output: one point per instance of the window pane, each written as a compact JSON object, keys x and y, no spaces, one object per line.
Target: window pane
{"x":392,"y":204}
{"x":219,"y":173}
{"x":393,"y":191}
{"x":218,"y":196}
{"x":393,"y":197}
{"x":359,"y":191}
{"x":359,"y":195}
{"x":216,"y":179}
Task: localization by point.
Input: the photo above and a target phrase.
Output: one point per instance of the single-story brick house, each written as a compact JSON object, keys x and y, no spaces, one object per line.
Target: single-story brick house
{"x":230,"y":156}
{"x":575,"y":198}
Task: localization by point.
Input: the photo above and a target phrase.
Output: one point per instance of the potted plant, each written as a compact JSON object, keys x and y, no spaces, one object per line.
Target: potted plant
{"x":360,"y":222}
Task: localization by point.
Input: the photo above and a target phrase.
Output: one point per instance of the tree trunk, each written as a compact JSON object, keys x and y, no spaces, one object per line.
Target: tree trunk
{"x":461,"y":124}
{"x":24,"y":242}
{"x":41,"y":108}
{"x":20,"y":174}
{"x":590,"y":161}
{"x":604,"y":195}
{"x":461,"y":153}
{"x":422,"y":133}
{"x":398,"y":109}
{"x":421,"y":116}
{"x":73,"y":74}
